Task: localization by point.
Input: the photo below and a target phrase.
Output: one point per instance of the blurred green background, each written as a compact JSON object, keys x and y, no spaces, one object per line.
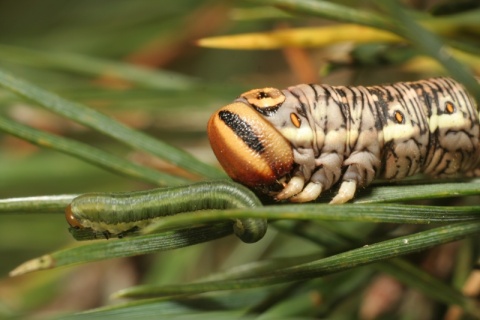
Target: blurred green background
{"x":66,"y":46}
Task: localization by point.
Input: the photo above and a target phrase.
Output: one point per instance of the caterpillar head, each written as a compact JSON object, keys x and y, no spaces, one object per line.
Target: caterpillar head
{"x":71,"y":219}
{"x":249,"y":148}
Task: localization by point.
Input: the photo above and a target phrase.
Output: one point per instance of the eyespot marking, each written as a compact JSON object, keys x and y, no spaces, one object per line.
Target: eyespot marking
{"x":399,"y":117}
{"x":297,"y":122}
{"x":242,"y":129}
{"x":449,"y":107}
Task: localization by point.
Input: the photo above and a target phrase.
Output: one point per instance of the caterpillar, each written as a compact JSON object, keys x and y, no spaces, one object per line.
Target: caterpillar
{"x":119,"y":214}
{"x":296,"y":143}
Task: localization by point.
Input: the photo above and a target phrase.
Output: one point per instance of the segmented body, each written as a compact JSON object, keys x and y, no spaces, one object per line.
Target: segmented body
{"x":329,"y":134}
{"x":123,"y":213}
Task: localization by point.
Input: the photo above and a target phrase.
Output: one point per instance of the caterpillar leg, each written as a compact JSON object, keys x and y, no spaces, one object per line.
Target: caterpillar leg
{"x":294,"y":186}
{"x":309,"y":193}
{"x":362,"y":168}
{"x":345,"y":193}
{"x":328,"y":172}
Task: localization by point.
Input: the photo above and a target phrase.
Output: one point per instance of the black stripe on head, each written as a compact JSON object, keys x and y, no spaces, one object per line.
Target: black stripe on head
{"x":243,"y":130}
{"x":266,"y":101}
{"x":267,"y":111}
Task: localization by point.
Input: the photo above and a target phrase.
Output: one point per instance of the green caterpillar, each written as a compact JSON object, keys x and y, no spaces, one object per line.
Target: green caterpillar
{"x":120,"y":214}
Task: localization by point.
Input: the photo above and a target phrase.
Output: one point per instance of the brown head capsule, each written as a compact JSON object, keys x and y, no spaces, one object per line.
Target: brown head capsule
{"x":248,"y":147}
{"x":72,"y":221}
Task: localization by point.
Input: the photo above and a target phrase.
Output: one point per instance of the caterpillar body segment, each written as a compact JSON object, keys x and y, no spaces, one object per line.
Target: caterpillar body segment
{"x":347,"y":135}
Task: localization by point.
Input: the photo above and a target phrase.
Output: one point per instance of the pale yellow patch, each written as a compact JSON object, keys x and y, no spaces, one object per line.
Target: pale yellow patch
{"x":398,"y":132}
{"x":446,"y":121}
{"x":114,"y":228}
{"x":295,"y":135}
